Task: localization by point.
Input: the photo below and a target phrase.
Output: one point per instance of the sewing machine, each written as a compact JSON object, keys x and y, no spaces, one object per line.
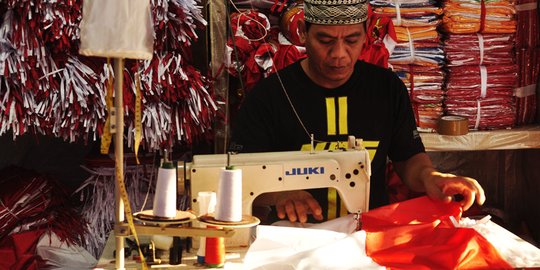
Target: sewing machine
{"x":346,"y":170}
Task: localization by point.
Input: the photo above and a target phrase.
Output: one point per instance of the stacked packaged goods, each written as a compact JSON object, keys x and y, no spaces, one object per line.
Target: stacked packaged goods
{"x":481,"y":66}
{"x":418,"y":56}
{"x":527,"y":57}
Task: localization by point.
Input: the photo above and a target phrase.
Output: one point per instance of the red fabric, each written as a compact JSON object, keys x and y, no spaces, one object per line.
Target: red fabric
{"x":18,"y":251}
{"x":286,"y":55}
{"x":289,"y":24}
{"x":418,"y":234}
{"x":374,"y":50}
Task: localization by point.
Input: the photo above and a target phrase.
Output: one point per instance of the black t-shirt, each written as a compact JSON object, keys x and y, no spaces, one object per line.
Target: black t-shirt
{"x":372,"y":105}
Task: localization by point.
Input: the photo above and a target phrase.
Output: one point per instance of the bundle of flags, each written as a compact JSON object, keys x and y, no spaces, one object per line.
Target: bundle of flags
{"x":418,"y":56}
{"x":482,"y":71}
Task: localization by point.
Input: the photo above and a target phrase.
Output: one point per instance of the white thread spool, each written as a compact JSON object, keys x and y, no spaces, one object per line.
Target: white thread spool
{"x":165,"y":197}
{"x":207,"y":204}
{"x":229,"y":196}
{"x":163,"y":242}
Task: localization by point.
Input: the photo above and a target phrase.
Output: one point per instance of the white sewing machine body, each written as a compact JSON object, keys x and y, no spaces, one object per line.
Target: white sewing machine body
{"x":347,"y":170}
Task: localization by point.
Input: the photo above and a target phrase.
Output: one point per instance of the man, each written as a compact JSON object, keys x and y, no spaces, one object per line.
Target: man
{"x":332,"y":95}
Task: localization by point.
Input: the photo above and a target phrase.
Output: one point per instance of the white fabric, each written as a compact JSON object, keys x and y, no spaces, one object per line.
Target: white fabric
{"x":118,"y":29}
{"x":516,"y":251}
{"x":316,"y":247}
{"x":59,"y":255}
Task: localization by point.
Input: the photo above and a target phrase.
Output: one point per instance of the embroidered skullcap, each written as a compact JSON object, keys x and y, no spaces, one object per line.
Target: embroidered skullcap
{"x":335,"y":11}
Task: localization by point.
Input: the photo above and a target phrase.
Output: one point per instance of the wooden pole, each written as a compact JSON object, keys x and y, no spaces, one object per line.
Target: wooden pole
{"x":119,"y":154}
{"x":217,"y":22}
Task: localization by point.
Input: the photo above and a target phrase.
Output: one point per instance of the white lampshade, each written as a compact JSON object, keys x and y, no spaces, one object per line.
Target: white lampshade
{"x":117,"y":29}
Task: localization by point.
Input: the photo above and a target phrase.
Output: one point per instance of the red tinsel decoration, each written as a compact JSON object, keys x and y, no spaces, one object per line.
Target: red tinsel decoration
{"x":46,"y":88}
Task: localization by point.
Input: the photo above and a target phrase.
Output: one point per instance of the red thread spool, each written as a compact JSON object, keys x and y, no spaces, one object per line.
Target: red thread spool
{"x":214,"y":256}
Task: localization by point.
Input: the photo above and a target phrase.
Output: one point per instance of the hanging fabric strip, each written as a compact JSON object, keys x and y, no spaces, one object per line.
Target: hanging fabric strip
{"x":483,"y":81}
{"x":481,"y":47}
{"x":478,"y":112}
{"x":411,"y":45}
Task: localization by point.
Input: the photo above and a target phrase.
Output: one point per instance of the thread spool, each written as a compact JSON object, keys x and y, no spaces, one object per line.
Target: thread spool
{"x":163,"y":242}
{"x":207,"y":204}
{"x":453,"y":125}
{"x":229,"y":195}
{"x":165,"y":196}
{"x":214,"y":256}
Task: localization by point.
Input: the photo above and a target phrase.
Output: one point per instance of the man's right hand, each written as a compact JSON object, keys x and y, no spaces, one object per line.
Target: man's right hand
{"x":297,"y":205}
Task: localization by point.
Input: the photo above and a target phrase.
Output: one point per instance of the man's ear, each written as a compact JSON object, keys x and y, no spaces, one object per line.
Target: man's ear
{"x":302,"y":34}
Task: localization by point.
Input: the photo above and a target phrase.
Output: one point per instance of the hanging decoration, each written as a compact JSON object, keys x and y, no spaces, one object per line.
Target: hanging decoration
{"x":47,"y":88}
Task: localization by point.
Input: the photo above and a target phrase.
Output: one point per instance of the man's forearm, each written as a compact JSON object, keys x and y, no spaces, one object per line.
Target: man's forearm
{"x":415,"y":170}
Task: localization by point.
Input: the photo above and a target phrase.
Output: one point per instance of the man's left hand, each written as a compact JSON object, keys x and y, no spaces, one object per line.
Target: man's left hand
{"x":445,"y":186}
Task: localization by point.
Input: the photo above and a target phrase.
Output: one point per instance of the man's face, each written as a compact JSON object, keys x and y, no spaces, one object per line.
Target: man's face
{"x":332,"y":52}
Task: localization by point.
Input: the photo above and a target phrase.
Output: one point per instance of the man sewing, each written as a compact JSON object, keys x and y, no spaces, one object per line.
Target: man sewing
{"x":332,"y":95}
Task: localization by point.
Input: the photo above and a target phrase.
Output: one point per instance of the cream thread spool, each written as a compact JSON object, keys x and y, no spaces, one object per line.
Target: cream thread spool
{"x":229,"y":195}
{"x":207,"y":204}
{"x":165,"y":196}
{"x":163,"y":242}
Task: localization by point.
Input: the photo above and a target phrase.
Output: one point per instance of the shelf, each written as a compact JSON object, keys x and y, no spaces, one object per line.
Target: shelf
{"x":518,"y":138}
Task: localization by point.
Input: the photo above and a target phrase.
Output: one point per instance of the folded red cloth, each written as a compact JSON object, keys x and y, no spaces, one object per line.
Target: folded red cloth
{"x":418,"y":234}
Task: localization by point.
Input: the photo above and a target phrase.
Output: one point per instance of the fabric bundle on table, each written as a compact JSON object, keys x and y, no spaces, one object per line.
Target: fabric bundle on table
{"x":483,"y":94}
{"x":527,"y":54}
{"x":415,"y":23}
{"x":479,"y":49}
{"x":425,"y":84}
{"x":482,"y":71}
{"x":479,"y":16}
{"x":418,"y":56}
